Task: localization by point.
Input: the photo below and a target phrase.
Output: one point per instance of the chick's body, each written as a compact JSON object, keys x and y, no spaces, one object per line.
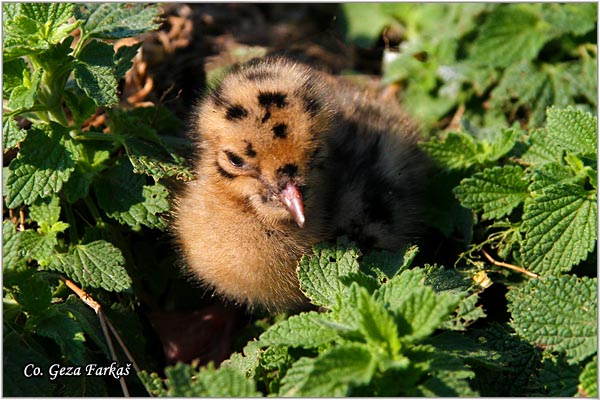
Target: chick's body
{"x":289,"y":157}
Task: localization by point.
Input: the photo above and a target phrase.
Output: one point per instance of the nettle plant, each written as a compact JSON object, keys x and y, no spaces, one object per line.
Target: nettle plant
{"x":76,"y":196}
{"x":74,"y":193}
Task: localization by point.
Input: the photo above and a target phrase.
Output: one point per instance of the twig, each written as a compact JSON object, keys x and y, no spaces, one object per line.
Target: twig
{"x":509,"y":266}
{"x":106,"y":324}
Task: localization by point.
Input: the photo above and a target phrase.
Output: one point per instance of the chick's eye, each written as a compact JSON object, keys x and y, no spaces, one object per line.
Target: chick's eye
{"x":234,"y":159}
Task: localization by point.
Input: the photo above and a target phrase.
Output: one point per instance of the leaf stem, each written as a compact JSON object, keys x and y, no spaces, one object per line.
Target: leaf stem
{"x":73,"y":233}
{"x":509,"y":266}
{"x":105,"y":324}
{"x":94,"y":211}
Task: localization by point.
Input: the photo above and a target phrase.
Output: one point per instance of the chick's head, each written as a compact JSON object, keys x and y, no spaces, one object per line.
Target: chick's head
{"x":260,"y":131}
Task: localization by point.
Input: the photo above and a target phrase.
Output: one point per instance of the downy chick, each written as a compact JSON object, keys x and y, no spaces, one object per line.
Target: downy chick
{"x":289,"y":157}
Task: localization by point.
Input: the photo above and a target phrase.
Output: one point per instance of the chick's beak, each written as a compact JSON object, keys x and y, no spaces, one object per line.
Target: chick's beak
{"x":292,"y":199}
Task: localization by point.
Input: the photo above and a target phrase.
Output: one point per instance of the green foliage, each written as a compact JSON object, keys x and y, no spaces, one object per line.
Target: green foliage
{"x":371,"y":334}
{"x":67,"y":229}
{"x":559,"y":314}
{"x":509,"y":92}
{"x":517,"y":58}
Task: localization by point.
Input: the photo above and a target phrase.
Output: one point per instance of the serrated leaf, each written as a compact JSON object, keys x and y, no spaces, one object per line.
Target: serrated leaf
{"x":63,"y":330}
{"x":576,"y":18}
{"x":385,"y":264}
{"x":94,"y":71}
{"x":42,"y":24}
{"x":11,"y":247}
{"x":303,"y":330}
{"x":45,"y":211}
{"x":318,"y":272}
{"x":560,"y":228}
{"x":123,"y":59}
{"x":12,"y":133}
{"x":24,"y":350}
{"x":376,"y":324}
{"x":44,"y":163}
{"x":87,"y":320}
{"x":37,"y":246}
{"x":456,"y":151}
{"x":422,"y":312}
{"x":153,"y":383}
{"x":572,"y":129}
{"x":588,"y":380}
{"x":12,"y":75}
{"x":150,"y":159}
{"x":559,"y":313}
{"x":247,"y":363}
{"x":393,"y":292}
{"x":51,"y":18}
{"x":25,"y":95}
{"x":541,"y":150}
{"x":137,"y":204}
{"x":184,"y":381}
{"x":116,"y":21}
{"x":511,"y":33}
{"x":550,"y":174}
{"x":95,"y":264}
{"x":32,"y":292}
{"x":447,"y":376}
{"x":497,"y":191}
{"x":333,"y":373}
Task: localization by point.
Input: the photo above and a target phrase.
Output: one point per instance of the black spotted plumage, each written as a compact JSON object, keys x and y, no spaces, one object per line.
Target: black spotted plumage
{"x":290,"y":157}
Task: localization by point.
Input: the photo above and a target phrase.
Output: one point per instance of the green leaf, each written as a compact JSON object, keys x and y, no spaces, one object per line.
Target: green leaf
{"x":123,"y":59}
{"x":588,"y":380}
{"x":558,"y":313}
{"x":116,"y":21}
{"x":25,"y":95}
{"x":44,"y":163}
{"x":51,"y":18}
{"x":318,"y":273}
{"x":550,"y":174}
{"x":560,"y":228}
{"x":12,"y":75}
{"x":572,"y":129}
{"x":94,"y":71}
{"x":497,"y":191}
{"x":150,"y":159}
{"x":11,"y":247}
{"x":541,"y":149}
{"x":42,"y":24}
{"x":385,"y":264}
{"x":332,"y":374}
{"x":87,"y":320}
{"x":137,"y":204}
{"x":37,"y":246}
{"x":511,"y":33}
{"x":376,"y":324}
{"x":363,"y":23}
{"x":461,"y":150}
{"x":32,"y":292}
{"x":95,"y":264}
{"x":45,"y":211}
{"x":304,"y":330}
{"x":184,"y":381}
{"x":12,"y":133}
{"x":24,"y":350}
{"x":422,"y":312}
{"x":576,"y":18}
{"x":63,"y":330}
{"x":418,"y":310}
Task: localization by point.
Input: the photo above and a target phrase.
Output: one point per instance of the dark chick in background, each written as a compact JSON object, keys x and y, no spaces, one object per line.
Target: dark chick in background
{"x":289,"y":157}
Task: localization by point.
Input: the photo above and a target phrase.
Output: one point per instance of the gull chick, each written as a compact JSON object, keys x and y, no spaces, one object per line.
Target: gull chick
{"x":289,"y":157}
